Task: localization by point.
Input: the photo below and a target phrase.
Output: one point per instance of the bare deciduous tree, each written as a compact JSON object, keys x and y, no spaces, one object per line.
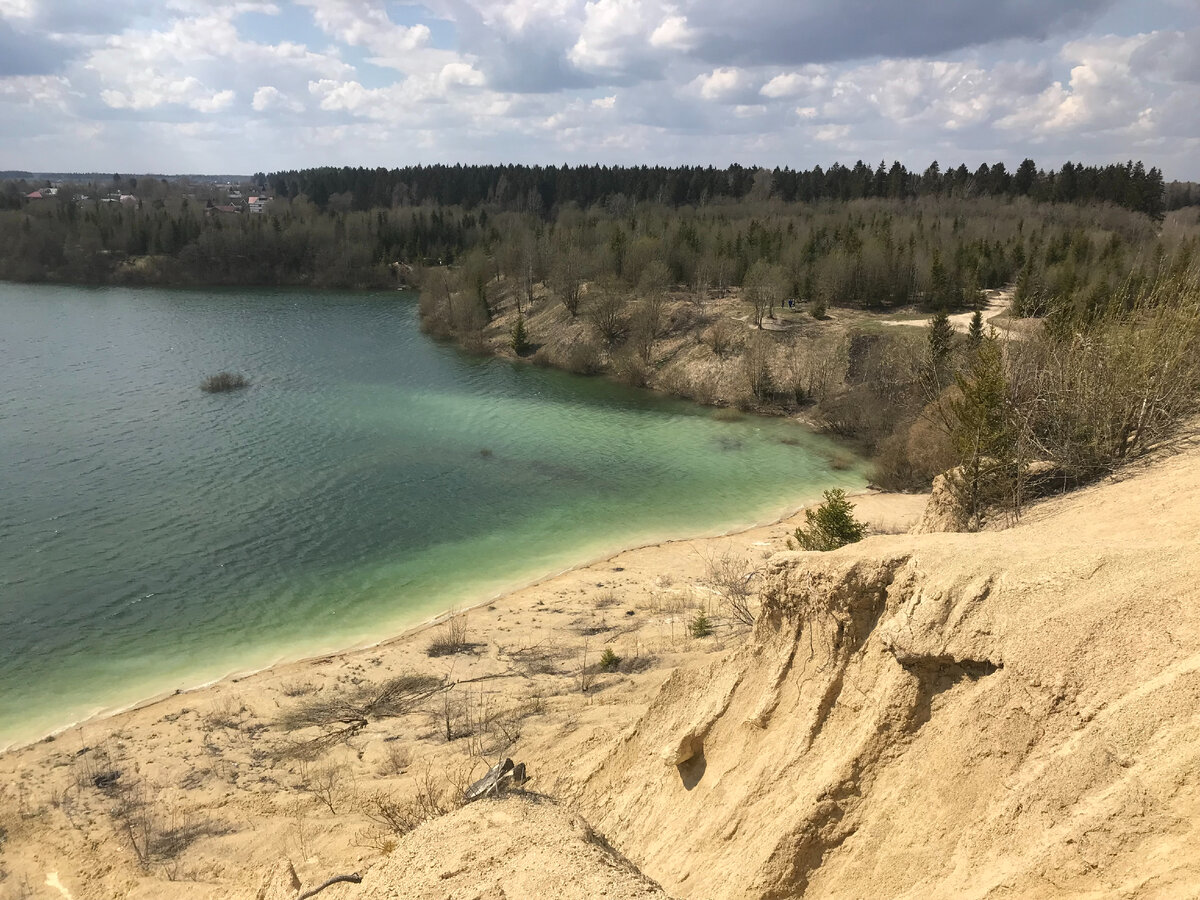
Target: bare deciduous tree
{"x":729,"y":576}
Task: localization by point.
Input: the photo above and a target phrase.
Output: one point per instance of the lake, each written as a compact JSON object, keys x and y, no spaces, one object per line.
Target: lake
{"x":155,"y":537}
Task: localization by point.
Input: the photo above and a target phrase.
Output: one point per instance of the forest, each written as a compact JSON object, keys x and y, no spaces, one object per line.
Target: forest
{"x":348,"y":227}
{"x":540,"y":189}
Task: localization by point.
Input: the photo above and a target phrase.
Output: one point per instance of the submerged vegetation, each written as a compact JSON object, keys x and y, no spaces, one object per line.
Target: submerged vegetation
{"x":222,"y":382}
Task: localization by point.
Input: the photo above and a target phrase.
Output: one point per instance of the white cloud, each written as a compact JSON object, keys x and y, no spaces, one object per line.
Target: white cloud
{"x":36,"y":91}
{"x":365,"y":23}
{"x":619,"y":37}
{"x":456,"y":86}
{"x":156,"y":91}
{"x":217,"y":102}
{"x":16,"y":9}
{"x":199,"y":63}
{"x":459,"y":74}
{"x":674,"y":33}
{"x":1170,"y":54}
{"x":605,"y":102}
{"x":515,"y":16}
{"x":610,"y":29}
{"x":346,"y":95}
{"x":269,"y":97}
{"x":721,"y":84}
{"x":831,"y":133}
{"x":1104,"y":92}
{"x":224,"y":7}
{"x":795,"y":84}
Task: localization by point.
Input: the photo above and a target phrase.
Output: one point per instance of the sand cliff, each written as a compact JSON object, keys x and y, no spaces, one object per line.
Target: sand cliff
{"x":1012,"y":713}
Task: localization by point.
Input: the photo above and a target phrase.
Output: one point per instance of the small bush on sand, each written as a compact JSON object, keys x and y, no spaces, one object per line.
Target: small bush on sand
{"x":700,"y":626}
{"x":394,"y":817}
{"x":222,"y":382}
{"x":830,"y":525}
{"x":450,"y":638}
{"x":728,"y":575}
{"x":609,"y":660}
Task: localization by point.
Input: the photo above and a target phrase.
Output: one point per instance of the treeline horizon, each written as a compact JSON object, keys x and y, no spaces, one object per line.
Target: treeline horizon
{"x":877,"y":237}
{"x":542,"y":189}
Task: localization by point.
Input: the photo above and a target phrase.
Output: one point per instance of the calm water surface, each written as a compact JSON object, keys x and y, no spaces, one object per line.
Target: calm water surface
{"x":153,"y":536}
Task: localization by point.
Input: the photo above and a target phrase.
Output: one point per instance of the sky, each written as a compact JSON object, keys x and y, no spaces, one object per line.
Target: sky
{"x":205,"y":86}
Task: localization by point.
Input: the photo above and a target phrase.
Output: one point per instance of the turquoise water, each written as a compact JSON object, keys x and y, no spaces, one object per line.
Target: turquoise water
{"x":154,"y":537}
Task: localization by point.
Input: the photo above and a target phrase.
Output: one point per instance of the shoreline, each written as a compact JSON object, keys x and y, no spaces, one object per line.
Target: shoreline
{"x":546,"y":673}
{"x":791,"y":511}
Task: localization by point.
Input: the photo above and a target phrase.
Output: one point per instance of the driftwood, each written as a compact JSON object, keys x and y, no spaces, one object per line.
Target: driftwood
{"x":496,"y":775}
{"x":354,"y":878}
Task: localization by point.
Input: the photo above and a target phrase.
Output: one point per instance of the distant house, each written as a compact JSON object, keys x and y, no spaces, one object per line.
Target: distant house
{"x":257,"y":204}
{"x":34,"y":195}
{"x":226,"y":210}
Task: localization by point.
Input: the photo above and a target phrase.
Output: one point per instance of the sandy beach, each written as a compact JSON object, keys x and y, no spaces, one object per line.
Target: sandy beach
{"x":206,"y":788}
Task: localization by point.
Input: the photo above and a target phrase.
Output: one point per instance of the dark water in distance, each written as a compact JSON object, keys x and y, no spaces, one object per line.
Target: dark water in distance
{"x":153,"y":536}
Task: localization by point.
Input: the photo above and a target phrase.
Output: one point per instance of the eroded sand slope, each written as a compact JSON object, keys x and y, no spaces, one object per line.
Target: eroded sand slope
{"x":1013,"y":713}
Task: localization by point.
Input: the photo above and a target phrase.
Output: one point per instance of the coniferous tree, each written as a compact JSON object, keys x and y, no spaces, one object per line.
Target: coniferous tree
{"x":519,"y":339}
{"x":939,"y":284}
{"x":940,"y":337}
{"x":830,"y":525}
{"x":975,"y":331}
{"x":983,"y":435}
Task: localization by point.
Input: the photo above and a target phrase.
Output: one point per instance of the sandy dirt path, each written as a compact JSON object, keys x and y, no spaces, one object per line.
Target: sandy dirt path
{"x":998,"y":301}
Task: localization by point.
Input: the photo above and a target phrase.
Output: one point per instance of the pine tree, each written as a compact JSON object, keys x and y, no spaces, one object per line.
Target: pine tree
{"x":941,"y":340}
{"x":983,"y":434}
{"x":975,"y":331}
{"x":519,"y":341}
{"x":939,"y":284}
{"x":830,"y":525}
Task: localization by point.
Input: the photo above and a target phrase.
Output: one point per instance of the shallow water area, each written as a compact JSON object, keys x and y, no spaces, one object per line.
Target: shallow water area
{"x":153,"y":537}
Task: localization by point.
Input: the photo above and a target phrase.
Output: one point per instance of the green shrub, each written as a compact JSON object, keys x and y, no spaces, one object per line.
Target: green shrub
{"x":609,"y":660}
{"x":830,"y":525}
{"x":700,"y":626}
